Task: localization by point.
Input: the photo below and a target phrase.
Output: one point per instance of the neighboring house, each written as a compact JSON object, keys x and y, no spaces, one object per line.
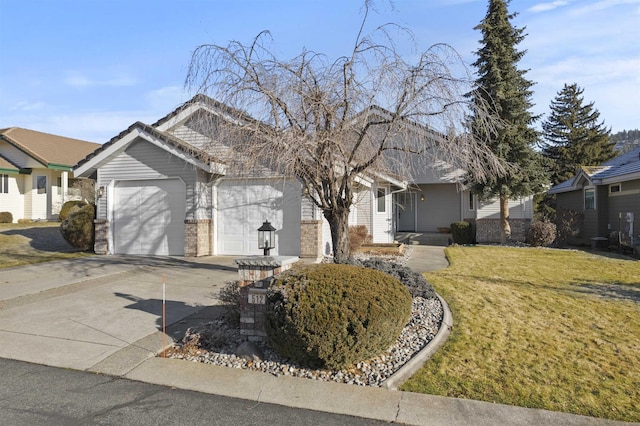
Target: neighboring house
{"x":607,"y":196}
{"x":34,"y":172}
{"x":167,"y":189}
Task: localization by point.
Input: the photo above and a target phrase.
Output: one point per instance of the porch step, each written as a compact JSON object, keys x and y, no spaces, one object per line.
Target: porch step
{"x":424,"y":238}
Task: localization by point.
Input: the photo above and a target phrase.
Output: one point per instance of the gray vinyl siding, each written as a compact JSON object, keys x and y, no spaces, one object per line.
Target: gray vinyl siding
{"x":364,"y":208}
{"x":143,"y":160}
{"x":440,"y":207}
{"x":573,"y":200}
{"x":628,"y":200}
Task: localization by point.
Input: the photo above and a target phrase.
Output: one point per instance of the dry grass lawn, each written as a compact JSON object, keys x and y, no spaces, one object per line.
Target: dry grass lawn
{"x":551,"y":329}
{"x":27,"y":243}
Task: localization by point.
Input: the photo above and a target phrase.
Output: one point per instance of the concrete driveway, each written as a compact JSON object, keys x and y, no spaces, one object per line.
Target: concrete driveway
{"x":93,"y":313}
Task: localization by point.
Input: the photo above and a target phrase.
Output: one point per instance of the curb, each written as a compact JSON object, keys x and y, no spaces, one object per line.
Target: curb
{"x":415,"y":363}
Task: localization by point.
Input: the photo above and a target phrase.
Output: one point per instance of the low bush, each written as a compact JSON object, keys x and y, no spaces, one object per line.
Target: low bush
{"x":68,"y":206}
{"x":358,"y":235}
{"x":6,"y":217}
{"x":461,"y":233}
{"x":230,"y":297}
{"x":541,"y":234}
{"x":78,"y":228}
{"x":415,"y":282}
{"x":332,"y":316}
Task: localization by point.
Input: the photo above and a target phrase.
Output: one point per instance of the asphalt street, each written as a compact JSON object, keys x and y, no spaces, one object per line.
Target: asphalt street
{"x":32,"y":394}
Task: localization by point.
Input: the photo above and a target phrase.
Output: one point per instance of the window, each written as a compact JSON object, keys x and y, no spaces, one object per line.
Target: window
{"x":4,"y":184}
{"x":59,"y":185}
{"x":616,"y":187}
{"x":472,"y":200}
{"x":382,"y":200}
{"x":589,"y":198}
{"x":41,"y":184}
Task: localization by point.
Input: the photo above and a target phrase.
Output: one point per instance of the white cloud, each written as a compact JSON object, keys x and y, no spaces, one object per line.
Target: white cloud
{"x":602,"y":5}
{"x":545,"y":7}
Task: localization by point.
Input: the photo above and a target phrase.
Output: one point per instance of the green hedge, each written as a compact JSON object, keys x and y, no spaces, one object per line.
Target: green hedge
{"x":331,"y":316}
{"x":78,"y":228}
{"x":461,"y":233}
{"x":6,"y":217}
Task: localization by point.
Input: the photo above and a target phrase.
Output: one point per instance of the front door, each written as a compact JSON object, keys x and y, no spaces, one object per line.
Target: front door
{"x":39,"y":201}
{"x":406,"y":212}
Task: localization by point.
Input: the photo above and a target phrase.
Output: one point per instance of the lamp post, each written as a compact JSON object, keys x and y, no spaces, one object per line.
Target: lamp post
{"x":266,"y":237}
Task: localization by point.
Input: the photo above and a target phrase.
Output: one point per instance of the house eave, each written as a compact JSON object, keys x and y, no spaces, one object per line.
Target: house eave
{"x":135,"y":131}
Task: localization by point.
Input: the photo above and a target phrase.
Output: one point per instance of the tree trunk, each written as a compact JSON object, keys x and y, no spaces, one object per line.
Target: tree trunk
{"x":505,"y":228}
{"x":339,"y":223}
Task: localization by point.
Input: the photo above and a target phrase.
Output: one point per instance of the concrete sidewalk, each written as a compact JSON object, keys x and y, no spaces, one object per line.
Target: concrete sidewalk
{"x":103,"y":314}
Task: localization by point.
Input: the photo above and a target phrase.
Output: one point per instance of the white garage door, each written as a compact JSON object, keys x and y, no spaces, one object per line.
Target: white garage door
{"x":243,"y":205}
{"x":149,"y":217}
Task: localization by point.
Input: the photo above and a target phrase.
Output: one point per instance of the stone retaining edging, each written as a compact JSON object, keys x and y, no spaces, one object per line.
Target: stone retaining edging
{"x":415,"y":363}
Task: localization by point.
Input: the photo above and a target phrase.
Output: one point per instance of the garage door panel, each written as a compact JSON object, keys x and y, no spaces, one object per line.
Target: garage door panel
{"x":149,"y":217}
{"x":242,"y":207}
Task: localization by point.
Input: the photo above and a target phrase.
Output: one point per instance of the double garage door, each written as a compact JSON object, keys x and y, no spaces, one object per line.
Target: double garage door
{"x":149,"y":217}
{"x":243,"y":205}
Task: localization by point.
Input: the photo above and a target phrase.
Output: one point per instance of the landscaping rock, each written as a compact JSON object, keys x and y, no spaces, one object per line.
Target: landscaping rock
{"x":250,"y":351}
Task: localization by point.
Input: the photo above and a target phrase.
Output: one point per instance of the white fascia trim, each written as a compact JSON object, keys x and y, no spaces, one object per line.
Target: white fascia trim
{"x":122,"y":143}
{"x":622,"y":178}
{"x":182,"y":115}
{"x":102,"y":157}
{"x":364,"y":181}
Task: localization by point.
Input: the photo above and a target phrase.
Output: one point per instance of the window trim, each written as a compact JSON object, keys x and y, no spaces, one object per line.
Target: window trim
{"x":41,"y":189}
{"x":381,"y":190}
{"x":619,"y":190}
{"x":590,"y":189}
{"x":4,"y":183}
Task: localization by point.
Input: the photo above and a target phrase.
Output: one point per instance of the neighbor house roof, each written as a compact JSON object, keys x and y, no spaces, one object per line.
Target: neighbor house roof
{"x":622,"y":168}
{"x":52,"y":151}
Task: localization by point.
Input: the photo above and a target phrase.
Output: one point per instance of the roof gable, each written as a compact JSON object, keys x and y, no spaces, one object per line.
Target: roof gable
{"x":164,"y":140}
{"x":52,"y":151}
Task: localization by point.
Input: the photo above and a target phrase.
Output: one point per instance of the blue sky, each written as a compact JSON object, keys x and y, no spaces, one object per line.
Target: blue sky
{"x":90,"y":68}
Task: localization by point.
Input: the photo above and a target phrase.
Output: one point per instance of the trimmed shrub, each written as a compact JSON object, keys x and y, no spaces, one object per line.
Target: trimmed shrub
{"x":231,"y":299}
{"x":416,"y":283}
{"x":332,"y":316}
{"x":541,"y":234}
{"x":68,"y":206}
{"x":357,"y":236}
{"x":78,"y":228}
{"x":461,"y":233}
{"x":6,"y":217}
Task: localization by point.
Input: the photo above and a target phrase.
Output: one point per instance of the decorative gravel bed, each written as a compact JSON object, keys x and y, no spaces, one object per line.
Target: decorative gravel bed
{"x":217,"y":343}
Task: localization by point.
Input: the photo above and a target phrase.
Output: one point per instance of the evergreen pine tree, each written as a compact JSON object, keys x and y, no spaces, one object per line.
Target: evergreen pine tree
{"x":504,"y":86}
{"x":573,"y":136}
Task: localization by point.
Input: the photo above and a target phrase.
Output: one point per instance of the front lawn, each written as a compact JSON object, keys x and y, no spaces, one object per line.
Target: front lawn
{"x":27,"y":243}
{"x":551,"y":329}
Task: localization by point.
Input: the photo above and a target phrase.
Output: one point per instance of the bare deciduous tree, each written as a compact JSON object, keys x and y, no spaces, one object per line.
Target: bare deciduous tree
{"x":328,"y":122}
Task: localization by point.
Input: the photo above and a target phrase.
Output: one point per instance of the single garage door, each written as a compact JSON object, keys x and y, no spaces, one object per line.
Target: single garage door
{"x":149,"y":217}
{"x":243,"y":205}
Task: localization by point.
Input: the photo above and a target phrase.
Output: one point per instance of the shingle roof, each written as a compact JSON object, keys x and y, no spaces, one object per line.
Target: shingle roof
{"x":46,"y":148}
{"x":178,"y":143}
{"x":622,"y":165}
